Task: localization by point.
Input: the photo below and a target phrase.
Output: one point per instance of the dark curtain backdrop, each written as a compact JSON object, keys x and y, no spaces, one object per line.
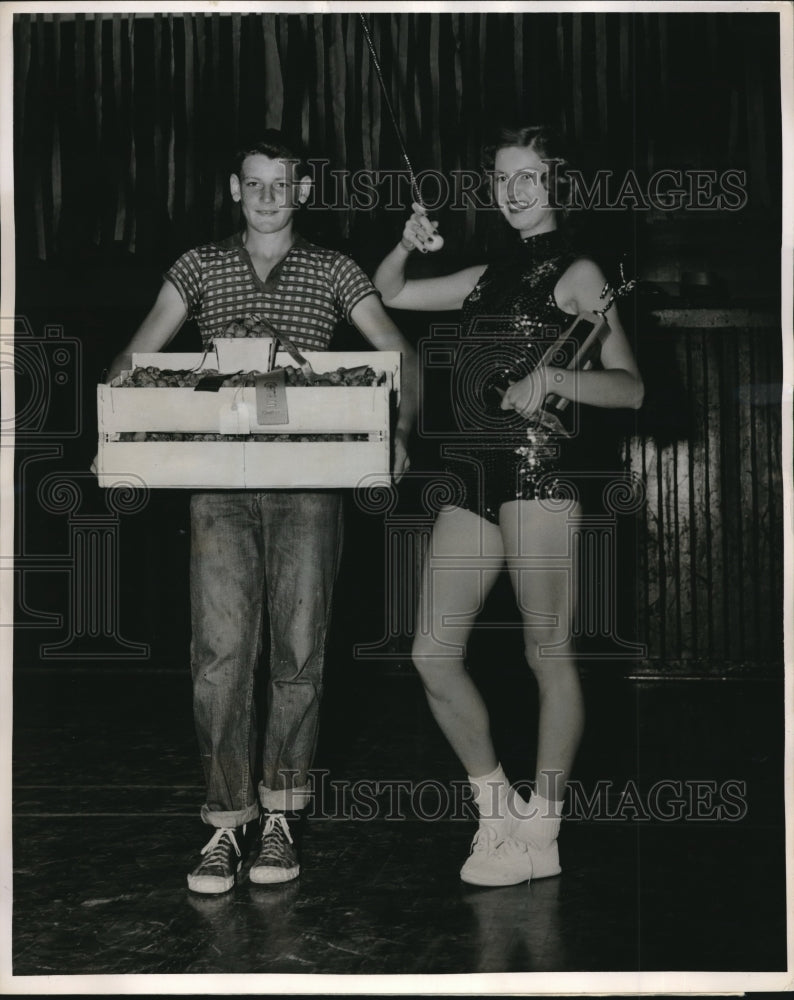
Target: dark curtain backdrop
{"x":124,"y":125}
{"x":124,"y":122}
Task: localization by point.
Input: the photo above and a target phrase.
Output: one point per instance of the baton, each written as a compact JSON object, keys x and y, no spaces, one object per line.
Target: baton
{"x":434,"y":241}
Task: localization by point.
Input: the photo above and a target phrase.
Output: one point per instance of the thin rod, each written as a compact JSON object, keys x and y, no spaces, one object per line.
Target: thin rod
{"x":390,"y":109}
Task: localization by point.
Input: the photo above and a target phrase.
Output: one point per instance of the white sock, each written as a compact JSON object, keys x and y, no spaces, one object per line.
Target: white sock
{"x":538,"y":821}
{"x":490,"y":795}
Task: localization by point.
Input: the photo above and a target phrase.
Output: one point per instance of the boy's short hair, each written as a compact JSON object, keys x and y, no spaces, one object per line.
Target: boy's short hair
{"x":276,"y":146}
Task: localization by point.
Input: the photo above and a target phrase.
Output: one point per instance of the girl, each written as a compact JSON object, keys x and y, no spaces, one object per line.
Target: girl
{"x":502,"y":510}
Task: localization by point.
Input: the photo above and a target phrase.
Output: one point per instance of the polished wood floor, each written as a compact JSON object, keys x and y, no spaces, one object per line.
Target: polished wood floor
{"x":107,"y":791}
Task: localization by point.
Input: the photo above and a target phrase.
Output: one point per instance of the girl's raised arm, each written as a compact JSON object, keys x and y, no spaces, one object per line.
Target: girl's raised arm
{"x":423,"y":294}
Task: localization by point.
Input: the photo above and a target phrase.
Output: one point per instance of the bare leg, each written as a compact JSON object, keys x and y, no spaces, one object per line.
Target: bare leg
{"x":465,"y":558}
{"x":537,"y":548}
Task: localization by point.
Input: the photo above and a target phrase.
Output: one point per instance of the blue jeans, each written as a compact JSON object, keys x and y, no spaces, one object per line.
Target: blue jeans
{"x":248,"y":547}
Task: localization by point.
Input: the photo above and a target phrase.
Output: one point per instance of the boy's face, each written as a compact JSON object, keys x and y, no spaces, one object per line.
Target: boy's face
{"x":268,"y":192}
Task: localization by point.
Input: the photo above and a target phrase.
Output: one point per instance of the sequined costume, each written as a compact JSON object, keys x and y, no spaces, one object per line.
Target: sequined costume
{"x":508,"y":322}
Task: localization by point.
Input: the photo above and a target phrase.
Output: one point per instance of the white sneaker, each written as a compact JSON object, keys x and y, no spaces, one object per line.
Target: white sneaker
{"x":545,"y":863}
{"x":494,"y":861}
{"x":545,"y":860}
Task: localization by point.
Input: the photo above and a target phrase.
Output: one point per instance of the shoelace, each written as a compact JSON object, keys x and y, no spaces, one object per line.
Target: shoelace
{"x":217,"y":849}
{"x":272,"y":846}
{"x":486,"y":841}
{"x":510,"y":847}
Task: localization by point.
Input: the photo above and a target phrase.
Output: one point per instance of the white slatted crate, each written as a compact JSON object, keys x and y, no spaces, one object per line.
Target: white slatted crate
{"x":255,"y":460}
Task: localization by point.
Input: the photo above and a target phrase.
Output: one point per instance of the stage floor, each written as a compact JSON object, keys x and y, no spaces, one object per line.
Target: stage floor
{"x":108,"y":788}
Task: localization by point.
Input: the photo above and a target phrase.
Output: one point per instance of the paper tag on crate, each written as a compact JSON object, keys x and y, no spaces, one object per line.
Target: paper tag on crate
{"x":271,"y":398}
{"x":234,"y":419}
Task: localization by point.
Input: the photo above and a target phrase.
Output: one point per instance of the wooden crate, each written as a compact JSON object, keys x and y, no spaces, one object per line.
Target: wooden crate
{"x":249,"y":462}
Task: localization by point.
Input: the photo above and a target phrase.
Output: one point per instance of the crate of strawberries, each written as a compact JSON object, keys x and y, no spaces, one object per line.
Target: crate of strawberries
{"x":237,"y":417}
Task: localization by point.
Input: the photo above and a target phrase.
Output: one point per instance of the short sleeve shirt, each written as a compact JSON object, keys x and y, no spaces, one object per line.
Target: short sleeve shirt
{"x":305,"y":296}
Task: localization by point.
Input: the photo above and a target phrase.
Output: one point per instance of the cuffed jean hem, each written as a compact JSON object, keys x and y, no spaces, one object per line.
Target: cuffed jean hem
{"x":229,"y":820}
{"x":285,"y":799}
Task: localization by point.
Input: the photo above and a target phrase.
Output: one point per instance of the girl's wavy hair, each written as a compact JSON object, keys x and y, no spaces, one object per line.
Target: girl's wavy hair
{"x":548,"y":144}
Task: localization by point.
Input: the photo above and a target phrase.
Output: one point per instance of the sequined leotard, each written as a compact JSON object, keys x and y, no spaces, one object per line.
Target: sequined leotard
{"x":508,"y":321}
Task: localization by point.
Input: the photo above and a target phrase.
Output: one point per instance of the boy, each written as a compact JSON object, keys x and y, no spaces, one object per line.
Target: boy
{"x":278,"y":545}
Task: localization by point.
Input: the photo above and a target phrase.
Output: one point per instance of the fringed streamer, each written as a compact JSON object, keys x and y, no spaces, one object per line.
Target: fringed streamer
{"x":577,"y":55}
{"x":564,"y":71}
{"x":171,"y":128}
{"x":483,"y":46}
{"x":118,"y":79}
{"x":157,"y":136}
{"x":435,"y":92}
{"x":283,"y":38}
{"x":448,"y":74}
{"x":80,"y":108}
{"x":602,"y":62}
{"x":664,"y":68}
{"x":648,"y":67}
{"x":305,"y":105}
{"x":98,"y":122}
{"x":57,"y":179}
{"x":23,"y":54}
{"x":319,"y":55}
{"x":733,"y":127}
{"x":756,"y":134}
{"x":374,"y":90}
{"x":469,"y":110}
{"x":416,"y":75}
{"x":337,"y":81}
{"x":236,"y":29}
{"x":456,"y":57}
{"x":366,"y":118}
{"x":518,"y":60}
{"x":215,"y":83}
{"x":132,"y":187}
{"x":188,"y":188}
{"x":399,"y":39}
{"x":199,"y":30}
{"x":450,"y":30}
{"x":336,"y":72}
{"x":624,"y":21}
{"x":351,"y":33}
{"x":274,"y":84}
{"x":38,"y":170}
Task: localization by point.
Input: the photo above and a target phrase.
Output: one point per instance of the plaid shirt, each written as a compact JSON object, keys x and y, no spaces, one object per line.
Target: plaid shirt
{"x":305,"y":295}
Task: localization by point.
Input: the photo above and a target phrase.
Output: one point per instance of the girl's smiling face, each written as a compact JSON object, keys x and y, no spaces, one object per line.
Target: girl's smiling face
{"x":520,"y":189}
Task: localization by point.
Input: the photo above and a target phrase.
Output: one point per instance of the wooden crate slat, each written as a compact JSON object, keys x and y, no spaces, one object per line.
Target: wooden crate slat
{"x":325,"y":410}
{"x":321,"y":409}
{"x":243,"y":465}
